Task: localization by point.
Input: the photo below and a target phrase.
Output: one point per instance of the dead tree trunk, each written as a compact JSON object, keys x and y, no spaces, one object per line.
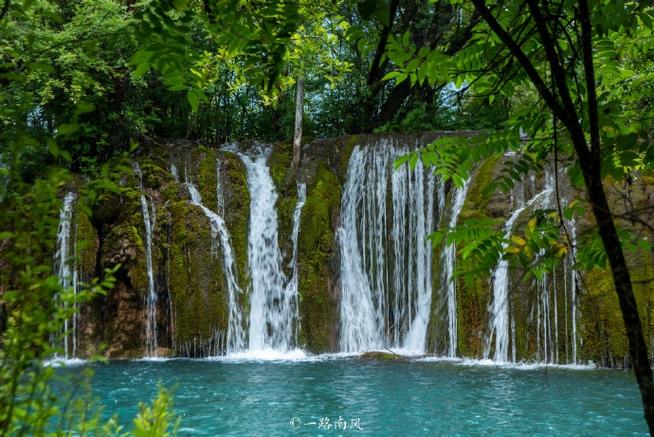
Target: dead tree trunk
{"x":297,"y":135}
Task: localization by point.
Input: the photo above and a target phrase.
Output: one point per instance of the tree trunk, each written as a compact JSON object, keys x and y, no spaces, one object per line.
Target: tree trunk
{"x":297,"y":135}
{"x":624,"y":290}
{"x":590,"y":162}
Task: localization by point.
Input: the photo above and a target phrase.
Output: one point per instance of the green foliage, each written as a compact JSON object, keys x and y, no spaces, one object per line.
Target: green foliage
{"x":33,"y":311}
{"x":485,"y":71}
{"x":157,"y":420}
{"x":478,"y":242}
{"x":62,"y":67}
{"x":241,"y":31}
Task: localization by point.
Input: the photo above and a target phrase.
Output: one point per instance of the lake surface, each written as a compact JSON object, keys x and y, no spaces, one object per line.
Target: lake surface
{"x":361,"y":397}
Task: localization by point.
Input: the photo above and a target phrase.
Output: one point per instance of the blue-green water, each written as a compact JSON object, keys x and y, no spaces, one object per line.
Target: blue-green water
{"x":413,"y":398}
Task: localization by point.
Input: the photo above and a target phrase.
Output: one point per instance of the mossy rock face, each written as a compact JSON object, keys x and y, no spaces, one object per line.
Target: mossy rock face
{"x":87,"y":251}
{"x":279,"y":164}
{"x":236,"y":196}
{"x":602,"y":330}
{"x":473,"y":294}
{"x":154,"y":177}
{"x":87,"y":245}
{"x":122,"y":309}
{"x":472,"y":313}
{"x":317,"y":251}
{"x":477,"y":203}
{"x":345,"y":155}
{"x":196,"y":279}
{"x":382,"y":356}
{"x":207,"y":178}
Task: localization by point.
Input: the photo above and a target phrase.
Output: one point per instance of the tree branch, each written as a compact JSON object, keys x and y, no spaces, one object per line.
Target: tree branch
{"x":520,"y":55}
{"x":568,"y":114}
{"x":589,"y":71}
{"x":373,"y":74}
{"x":5,"y":9}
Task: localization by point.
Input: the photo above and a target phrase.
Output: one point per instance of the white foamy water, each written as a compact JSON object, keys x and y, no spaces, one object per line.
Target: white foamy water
{"x":471,"y":362}
{"x":448,"y":259}
{"x":386,"y":259}
{"x":499,"y":310}
{"x":65,"y":267}
{"x":273,"y":321}
{"x":266,"y":354}
{"x":149,"y":218}
{"x":63,"y":362}
{"x":235,"y":331}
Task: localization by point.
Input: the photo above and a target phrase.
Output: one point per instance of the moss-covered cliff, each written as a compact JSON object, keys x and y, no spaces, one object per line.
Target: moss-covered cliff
{"x":190,"y":282}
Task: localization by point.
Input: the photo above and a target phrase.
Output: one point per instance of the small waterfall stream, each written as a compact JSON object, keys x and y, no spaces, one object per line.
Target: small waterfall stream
{"x":292,"y":286}
{"x":65,"y":267}
{"x":570,"y":275}
{"x":149,"y":217}
{"x":448,"y":259}
{"x":363,"y":223}
{"x":499,"y":309}
{"x":273,"y":302}
{"x":235,"y":332}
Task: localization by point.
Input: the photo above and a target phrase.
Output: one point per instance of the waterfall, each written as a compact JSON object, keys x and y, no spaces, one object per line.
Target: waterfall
{"x":573,"y":287}
{"x":499,"y":309}
{"x":547,"y":323}
{"x":235,"y":332}
{"x":151,"y":298}
{"x":448,"y":259}
{"x":386,"y":282}
{"x":417,"y":335}
{"x":67,"y":273}
{"x":273,"y":301}
{"x":363,"y":217}
{"x":292,"y":286}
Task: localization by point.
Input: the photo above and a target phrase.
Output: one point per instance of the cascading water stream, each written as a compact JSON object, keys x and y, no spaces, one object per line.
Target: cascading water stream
{"x":363,"y":213}
{"x":67,"y":273}
{"x":174,"y":172}
{"x":292,"y":286}
{"x":499,"y":309}
{"x":416,"y":337}
{"x":573,"y":288}
{"x":546,"y":291}
{"x":385,"y":277}
{"x":149,"y":217}
{"x":448,"y":259}
{"x":235,"y":332}
{"x":273,"y":301}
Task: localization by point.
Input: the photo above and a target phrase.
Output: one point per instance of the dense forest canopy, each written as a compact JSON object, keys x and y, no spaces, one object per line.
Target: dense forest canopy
{"x":85,"y":82}
{"x":99,"y":76}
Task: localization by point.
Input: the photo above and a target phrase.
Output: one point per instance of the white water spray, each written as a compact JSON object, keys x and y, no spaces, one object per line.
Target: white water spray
{"x":499,"y":309}
{"x":149,"y":218}
{"x":235,"y":332}
{"x":273,"y":301}
{"x":448,"y":260}
{"x":385,"y":277}
{"x":67,"y":273}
